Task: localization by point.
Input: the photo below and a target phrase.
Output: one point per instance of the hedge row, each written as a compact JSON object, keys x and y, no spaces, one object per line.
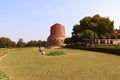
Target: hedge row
{"x":115,"y":51}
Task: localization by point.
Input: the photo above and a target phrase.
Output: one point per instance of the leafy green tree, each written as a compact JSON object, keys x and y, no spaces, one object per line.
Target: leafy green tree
{"x":20,"y":43}
{"x":32,"y":43}
{"x":89,"y":36}
{"x":76,"y":28}
{"x":42,"y":43}
{"x":6,"y":43}
{"x":13,"y":44}
{"x":102,"y":37}
{"x":67,"y":41}
{"x":98,"y":24}
{"x":101,"y":26}
{"x":108,"y":36}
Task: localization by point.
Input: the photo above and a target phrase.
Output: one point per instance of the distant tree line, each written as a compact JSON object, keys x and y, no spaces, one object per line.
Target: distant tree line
{"x":8,"y":43}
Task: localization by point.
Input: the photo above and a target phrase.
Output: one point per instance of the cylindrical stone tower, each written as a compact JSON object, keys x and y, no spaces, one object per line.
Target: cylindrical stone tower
{"x":57,"y":36}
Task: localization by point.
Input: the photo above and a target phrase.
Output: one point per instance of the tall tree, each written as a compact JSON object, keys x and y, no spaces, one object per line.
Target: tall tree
{"x":67,"y":41}
{"x":97,"y":24}
{"x":42,"y":43}
{"x":89,"y":37}
{"x":6,"y":43}
{"x":32,"y":43}
{"x":20,"y":43}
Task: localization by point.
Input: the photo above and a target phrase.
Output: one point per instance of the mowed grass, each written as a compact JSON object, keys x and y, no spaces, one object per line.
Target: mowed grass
{"x":4,"y":51}
{"x":28,"y":64}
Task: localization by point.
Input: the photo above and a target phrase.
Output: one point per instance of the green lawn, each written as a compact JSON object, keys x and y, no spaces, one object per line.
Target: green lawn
{"x":28,"y":64}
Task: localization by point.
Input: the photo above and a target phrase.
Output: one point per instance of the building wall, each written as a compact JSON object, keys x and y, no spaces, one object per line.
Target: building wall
{"x":108,"y":41}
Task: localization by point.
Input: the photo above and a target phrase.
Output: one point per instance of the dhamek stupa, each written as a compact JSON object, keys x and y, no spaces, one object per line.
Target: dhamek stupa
{"x":57,"y":36}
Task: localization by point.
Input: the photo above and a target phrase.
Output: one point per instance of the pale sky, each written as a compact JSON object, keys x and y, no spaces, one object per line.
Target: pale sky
{"x":32,"y":19}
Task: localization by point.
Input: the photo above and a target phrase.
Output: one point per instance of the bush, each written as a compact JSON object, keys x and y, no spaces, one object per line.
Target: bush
{"x":4,"y":76}
{"x":56,"y":53}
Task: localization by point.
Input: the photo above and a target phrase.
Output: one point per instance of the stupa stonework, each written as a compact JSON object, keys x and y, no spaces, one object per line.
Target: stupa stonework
{"x":57,"y":36}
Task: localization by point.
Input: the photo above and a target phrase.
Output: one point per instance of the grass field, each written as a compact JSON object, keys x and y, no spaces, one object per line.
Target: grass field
{"x":28,"y":64}
{"x":4,"y":51}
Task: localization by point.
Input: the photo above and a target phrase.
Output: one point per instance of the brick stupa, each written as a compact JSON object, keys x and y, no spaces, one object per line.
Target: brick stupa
{"x":57,"y":36}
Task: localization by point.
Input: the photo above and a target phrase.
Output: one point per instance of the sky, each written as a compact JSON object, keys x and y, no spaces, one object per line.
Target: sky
{"x":32,"y":19}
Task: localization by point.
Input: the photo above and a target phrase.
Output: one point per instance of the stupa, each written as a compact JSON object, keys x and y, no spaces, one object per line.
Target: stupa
{"x":57,"y":36}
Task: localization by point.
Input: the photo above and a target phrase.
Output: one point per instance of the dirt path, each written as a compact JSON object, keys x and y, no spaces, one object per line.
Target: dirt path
{"x":4,"y":56}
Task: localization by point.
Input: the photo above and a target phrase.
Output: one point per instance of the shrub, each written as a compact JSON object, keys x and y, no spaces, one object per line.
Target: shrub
{"x":56,"y":53}
{"x":4,"y":76}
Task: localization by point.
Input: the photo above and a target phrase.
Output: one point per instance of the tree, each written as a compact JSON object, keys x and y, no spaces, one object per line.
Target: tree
{"x":89,"y":36}
{"x":20,"y":43}
{"x":97,"y":24}
{"x":76,"y":28}
{"x":32,"y":43}
{"x":13,"y":44}
{"x":67,"y":41}
{"x":108,"y":36}
{"x":42,"y":43}
{"x":6,"y":43}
